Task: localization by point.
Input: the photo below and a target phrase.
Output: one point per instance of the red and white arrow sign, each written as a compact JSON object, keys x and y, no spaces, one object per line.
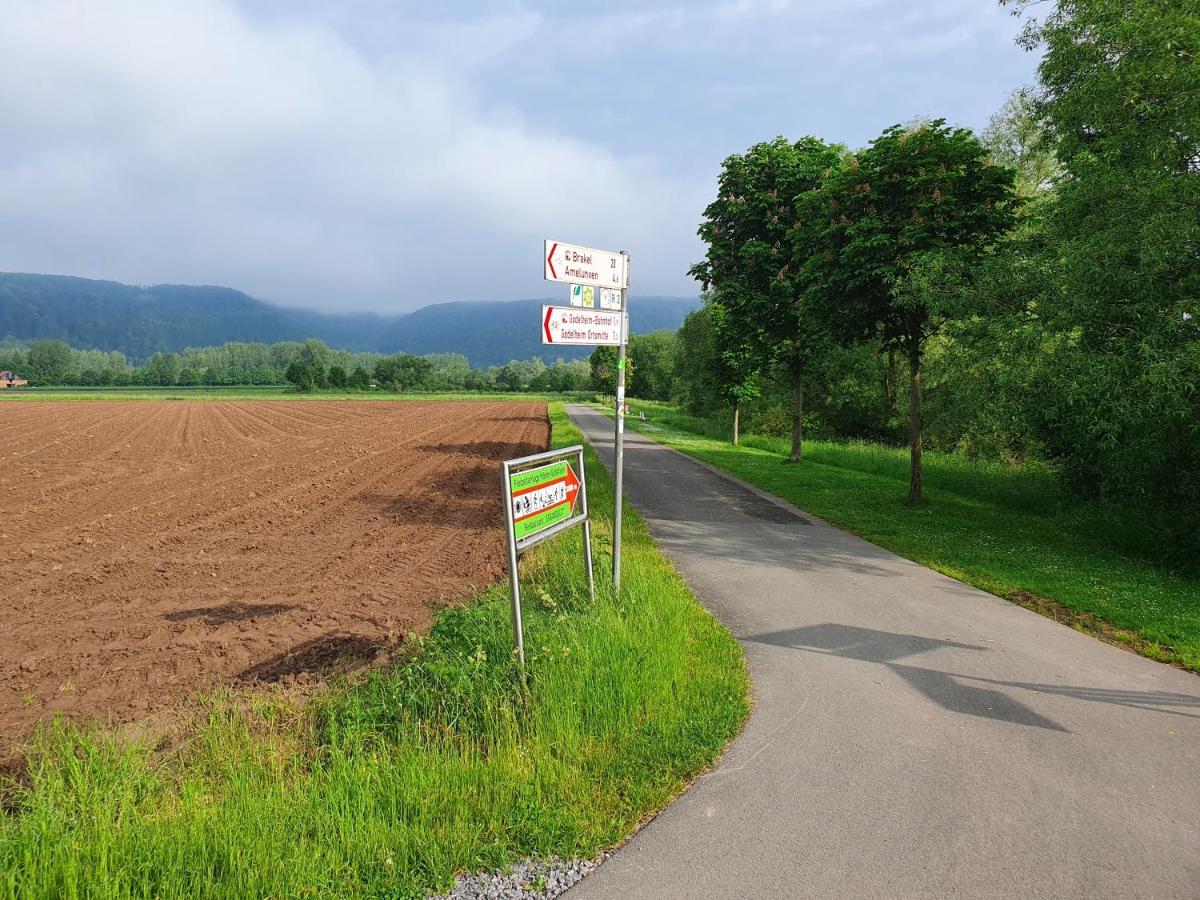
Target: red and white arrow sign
{"x":540,"y":498}
{"x":573,"y":264}
{"x":581,"y":327}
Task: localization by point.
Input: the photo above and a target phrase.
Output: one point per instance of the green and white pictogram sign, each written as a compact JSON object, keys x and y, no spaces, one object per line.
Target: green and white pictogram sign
{"x":544,"y":494}
{"x":542,"y":497}
{"x":584,"y":296}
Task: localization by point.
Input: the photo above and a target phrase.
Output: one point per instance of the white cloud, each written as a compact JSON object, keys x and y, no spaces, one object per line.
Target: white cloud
{"x":861,"y":49}
{"x":480,"y":41}
{"x":796,"y":9}
{"x":188,"y":142}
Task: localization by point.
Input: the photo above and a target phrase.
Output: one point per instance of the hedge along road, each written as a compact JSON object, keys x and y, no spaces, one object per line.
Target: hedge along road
{"x":911,"y":736}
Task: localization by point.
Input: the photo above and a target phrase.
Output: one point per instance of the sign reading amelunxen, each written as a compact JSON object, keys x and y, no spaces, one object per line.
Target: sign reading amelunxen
{"x":584,"y":265}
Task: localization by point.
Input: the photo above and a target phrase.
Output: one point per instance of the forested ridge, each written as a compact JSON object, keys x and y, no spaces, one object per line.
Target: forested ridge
{"x":140,"y":321}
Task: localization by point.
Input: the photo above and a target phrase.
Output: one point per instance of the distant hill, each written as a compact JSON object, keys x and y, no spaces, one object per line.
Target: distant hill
{"x":140,"y":321}
{"x":106,"y":315}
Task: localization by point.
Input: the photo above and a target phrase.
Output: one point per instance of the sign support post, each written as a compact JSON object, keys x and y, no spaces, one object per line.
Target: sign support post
{"x":514,"y":579}
{"x":587,"y":532}
{"x":619,"y":437}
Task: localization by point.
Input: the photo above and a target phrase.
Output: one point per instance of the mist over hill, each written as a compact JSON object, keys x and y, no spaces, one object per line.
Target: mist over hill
{"x":140,"y":321}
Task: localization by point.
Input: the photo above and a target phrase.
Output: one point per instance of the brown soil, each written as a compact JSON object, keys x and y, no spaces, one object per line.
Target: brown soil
{"x":148,"y":550}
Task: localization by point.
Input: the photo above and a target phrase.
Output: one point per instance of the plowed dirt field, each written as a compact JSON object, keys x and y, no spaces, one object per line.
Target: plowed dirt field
{"x":149,"y":549}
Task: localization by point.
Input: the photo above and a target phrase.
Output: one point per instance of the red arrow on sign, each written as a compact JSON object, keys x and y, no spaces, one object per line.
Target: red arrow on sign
{"x":550,"y":259}
{"x":546,"y":324}
{"x":570,"y":481}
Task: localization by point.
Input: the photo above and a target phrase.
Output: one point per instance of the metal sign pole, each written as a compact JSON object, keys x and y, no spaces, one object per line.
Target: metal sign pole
{"x":513,"y":575}
{"x":619,"y":442}
{"x":587,"y":531}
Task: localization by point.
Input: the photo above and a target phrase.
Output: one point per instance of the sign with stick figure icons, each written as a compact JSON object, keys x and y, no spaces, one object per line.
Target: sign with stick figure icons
{"x":583,"y":295}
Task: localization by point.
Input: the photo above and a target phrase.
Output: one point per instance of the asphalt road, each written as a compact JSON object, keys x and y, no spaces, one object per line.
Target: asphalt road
{"x":911,"y":736}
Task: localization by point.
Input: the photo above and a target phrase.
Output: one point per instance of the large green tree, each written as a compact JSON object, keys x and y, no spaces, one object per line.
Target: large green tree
{"x":1017,"y":137}
{"x":709,"y":377}
{"x":888,"y":244}
{"x":403,"y":372}
{"x":1120,"y":94}
{"x":49,"y":362}
{"x":750,"y":265}
{"x":655,"y":357}
{"x":603,"y":366}
{"x":163,"y":369}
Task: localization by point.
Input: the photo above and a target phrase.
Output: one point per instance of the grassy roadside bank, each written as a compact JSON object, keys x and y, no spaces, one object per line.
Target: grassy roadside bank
{"x":389,"y":785}
{"x":999,"y":528}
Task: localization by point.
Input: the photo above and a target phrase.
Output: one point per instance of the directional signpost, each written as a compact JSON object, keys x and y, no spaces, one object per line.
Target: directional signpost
{"x":569,"y":325}
{"x":585,"y":267}
{"x":544,"y":495}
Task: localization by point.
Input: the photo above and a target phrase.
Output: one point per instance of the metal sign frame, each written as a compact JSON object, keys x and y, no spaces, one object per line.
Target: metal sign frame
{"x":517,"y":546}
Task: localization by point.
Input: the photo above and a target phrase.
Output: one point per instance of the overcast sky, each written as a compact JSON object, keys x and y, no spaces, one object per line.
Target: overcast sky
{"x":374,"y":154}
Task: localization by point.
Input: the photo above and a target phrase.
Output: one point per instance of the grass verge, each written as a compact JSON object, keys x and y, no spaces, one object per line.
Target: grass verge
{"x":1007,"y":530}
{"x":389,"y":786}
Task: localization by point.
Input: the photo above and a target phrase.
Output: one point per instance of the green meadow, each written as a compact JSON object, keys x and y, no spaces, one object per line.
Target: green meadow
{"x":1005,"y":529}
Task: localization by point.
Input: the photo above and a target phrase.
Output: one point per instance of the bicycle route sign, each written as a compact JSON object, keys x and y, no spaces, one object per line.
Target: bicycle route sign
{"x":542,"y":497}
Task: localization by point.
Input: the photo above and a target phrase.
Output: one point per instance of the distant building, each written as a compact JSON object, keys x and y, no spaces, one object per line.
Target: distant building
{"x":10,"y":380}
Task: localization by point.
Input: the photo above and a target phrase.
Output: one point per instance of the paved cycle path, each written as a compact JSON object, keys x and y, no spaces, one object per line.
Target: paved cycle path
{"x":911,"y":736}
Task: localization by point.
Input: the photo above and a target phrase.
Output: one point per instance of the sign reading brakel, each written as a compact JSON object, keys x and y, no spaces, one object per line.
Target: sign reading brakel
{"x":544,"y":495}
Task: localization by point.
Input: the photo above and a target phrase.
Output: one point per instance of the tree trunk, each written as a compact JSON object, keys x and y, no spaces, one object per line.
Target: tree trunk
{"x":889,"y":379}
{"x":797,"y":427}
{"x":914,"y":423}
{"x":737,"y":415}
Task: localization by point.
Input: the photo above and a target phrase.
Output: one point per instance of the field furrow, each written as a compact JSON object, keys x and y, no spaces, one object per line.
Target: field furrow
{"x":152,"y":549}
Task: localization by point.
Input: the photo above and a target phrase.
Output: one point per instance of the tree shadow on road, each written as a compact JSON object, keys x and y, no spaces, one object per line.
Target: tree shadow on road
{"x":885,"y":648}
{"x":953,"y":691}
{"x":1170,"y":702}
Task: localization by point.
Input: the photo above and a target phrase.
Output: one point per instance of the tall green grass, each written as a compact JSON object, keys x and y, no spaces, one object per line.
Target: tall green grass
{"x":1007,"y":529}
{"x":390,"y":786}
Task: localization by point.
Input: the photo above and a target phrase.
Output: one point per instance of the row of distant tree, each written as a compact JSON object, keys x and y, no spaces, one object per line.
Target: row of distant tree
{"x":307,"y":366}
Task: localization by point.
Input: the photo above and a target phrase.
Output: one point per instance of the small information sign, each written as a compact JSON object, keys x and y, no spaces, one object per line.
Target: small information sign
{"x":544,"y":495}
{"x":583,"y":265}
{"x":584,"y":296}
{"x":580,"y":327}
